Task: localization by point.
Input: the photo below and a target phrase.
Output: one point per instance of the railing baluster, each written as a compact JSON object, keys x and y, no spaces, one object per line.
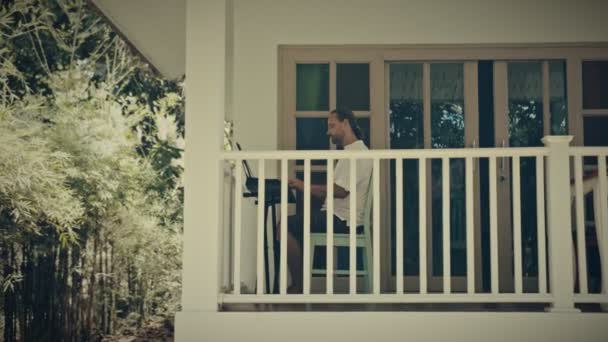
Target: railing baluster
{"x":445,"y":180}
{"x":306,"y":249}
{"x":602,"y":228}
{"x":238,"y":194}
{"x":399,"y":217}
{"x":580,"y":224}
{"x":516,"y":188}
{"x":376,"y":227}
{"x":261,"y":228}
{"x":283,"y":257}
{"x":374,"y":264}
{"x":422,"y":223}
{"x":493,"y":225}
{"x":329,"y":270}
{"x":470,"y":226}
{"x":353,"y":226}
{"x":540,"y":224}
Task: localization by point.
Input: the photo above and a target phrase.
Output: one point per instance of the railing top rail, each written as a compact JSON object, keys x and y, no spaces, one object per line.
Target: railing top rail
{"x":390,"y":154}
{"x":589,"y":151}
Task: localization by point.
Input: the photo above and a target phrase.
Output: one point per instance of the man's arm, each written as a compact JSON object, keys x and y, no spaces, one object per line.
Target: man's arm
{"x":318,"y":191}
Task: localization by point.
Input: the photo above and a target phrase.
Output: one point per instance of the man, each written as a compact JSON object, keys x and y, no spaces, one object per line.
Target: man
{"x":345,"y":134}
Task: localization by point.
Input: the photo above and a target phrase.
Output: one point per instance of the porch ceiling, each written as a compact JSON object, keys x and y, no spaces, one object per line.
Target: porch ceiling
{"x":155,"y":28}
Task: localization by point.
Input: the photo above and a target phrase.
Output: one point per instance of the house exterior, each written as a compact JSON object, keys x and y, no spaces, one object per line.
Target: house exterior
{"x":494,"y":105}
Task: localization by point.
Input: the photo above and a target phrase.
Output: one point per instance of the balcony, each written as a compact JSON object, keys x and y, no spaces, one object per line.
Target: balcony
{"x":554,"y":180}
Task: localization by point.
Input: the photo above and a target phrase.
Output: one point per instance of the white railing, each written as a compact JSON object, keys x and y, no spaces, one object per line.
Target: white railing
{"x":590,"y":178}
{"x":552,"y":168}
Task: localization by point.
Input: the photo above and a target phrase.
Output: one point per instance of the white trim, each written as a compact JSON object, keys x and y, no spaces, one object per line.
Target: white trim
{"x":390,"y":154}
{"x":595,"y":112}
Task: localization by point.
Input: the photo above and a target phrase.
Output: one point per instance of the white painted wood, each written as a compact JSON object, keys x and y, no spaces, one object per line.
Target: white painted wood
{"x":516,"y":183}
{"x":426,"y":104}
{"x":580,"y":225}
{"x":376,"y":228}
{"x":261,"y":229}
{"x":559,"y":221}
{"x":238,"y":196}
{"x":283,"y":249}
{"x":422,"y":225}
{"x":445,"y":183}
{"x":540,"y":224}
{"x":405,"y":154}
{"x":389,"y":298}
{"x":330,"y":227}
{"x":588,"y":151}
{"x":470,"y":219}
{"x":574,"y":85}
{"x":391,"y":326}
{"x":603,"y":229}
{"x":306,"y":248}
{"x":353,"y":227}
{"x":493,"y":226}
{"x":205,"y":55}
{"x":399,"y":222}
{"x":591,"y":298}
{"x":546,"y":99}
{"x":595,"y":112}
{"x":514,"y":153}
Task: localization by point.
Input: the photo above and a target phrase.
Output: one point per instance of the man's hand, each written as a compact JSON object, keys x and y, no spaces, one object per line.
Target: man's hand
{"x":296,"y":184}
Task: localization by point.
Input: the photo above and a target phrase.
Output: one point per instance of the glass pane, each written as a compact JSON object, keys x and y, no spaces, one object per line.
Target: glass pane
{"x":312,"y":87}
{"x":558,"y":99}
{"x":352,"y":88}
{"x":406,"y":108}
{"x":526,"y":129}
{"x":447,"y":131}
{"x":311,"y":134}
{"x":595,"y":129}
{"x":406,"y":131}
{"x":525,"y":103}
{"x":595,"y":85}
{"x":447,"y":105}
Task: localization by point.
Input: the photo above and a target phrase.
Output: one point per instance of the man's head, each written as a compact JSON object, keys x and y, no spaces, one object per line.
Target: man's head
{"x":342,"y":127}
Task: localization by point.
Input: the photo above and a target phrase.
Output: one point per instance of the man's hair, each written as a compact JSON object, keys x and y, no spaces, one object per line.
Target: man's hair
{"x":347,"y":114}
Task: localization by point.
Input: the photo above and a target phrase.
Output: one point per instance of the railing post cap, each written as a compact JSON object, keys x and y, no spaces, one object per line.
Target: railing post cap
{"x":557,"y":139}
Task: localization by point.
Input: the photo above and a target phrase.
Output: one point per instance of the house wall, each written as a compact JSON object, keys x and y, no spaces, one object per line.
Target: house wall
{"x":260,"y":26}
{"x":392,"y":326}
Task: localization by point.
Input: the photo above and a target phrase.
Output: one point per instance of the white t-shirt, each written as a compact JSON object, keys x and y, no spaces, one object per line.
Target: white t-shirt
{"x":342,"y":179}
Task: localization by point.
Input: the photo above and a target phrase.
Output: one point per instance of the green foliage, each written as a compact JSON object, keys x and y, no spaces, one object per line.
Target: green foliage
{"x":91,"y":146}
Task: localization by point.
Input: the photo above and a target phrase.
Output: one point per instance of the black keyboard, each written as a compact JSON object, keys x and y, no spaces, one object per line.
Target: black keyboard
{"x":272,"y":191}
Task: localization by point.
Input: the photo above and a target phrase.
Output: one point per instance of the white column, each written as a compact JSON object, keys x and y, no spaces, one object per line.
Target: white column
{"x":559,"y":223}
{"x":205,"y":105}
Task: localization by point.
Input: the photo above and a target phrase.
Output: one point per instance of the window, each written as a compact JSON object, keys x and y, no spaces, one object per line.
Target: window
{"x":595,"y":103}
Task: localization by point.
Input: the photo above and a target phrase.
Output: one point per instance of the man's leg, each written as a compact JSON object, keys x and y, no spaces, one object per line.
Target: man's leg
{"x":294,"y":261}
{"x":294,"y":253}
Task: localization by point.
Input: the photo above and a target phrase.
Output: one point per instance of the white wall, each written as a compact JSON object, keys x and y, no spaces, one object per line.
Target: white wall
{"x":261,"y":25}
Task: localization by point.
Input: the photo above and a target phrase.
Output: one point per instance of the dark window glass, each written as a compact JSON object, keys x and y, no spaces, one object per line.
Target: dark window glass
{"x":312,"y":87}
{"x":595,"y":85}
{"x":353,"y":86}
